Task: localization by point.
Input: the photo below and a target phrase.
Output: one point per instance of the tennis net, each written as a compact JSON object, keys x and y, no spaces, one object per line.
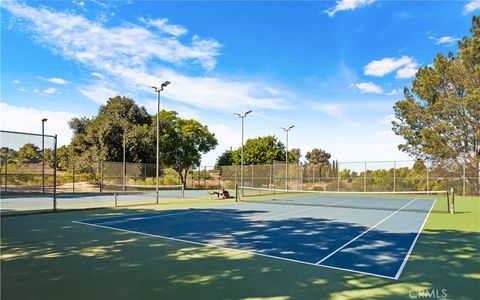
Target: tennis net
{"x":442,"y":201}
{"x":135,"y":194}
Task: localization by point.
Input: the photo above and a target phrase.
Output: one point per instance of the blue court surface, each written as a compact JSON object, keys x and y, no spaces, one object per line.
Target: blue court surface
{"x":376,"y":242}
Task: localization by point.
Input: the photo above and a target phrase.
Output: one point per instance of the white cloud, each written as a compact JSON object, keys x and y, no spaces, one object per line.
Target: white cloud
{"x":16,"y":81}
{"x":27,"y":119}
{"x":127,"y":58}
{"x":405,"y":66}
{"x":388,"y":119}
{"x":368,"y":87}
{"x":330,"y":109}
{"x":471,"y":6}
{"x":161,"y":24}
{"x":98,"y":93}
{"x":407,"y":71}
{"x":21,"y":89}
{"x":50,"y":91}
{"x":98,"y":75}
{"x":54,"y":80}
{"x":79,"y":3}
{"x":395,"y":92}
{"x":91,"y":43}
{"x":347,"y":5}
{"x":446,"y":40}
{"x":272,"y":91}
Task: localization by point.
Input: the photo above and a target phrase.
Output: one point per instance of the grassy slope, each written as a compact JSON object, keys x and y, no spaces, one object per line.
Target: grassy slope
{"x":49,"y":257}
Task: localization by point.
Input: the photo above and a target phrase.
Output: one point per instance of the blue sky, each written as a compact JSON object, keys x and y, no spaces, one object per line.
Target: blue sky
{"x":333,"y":69}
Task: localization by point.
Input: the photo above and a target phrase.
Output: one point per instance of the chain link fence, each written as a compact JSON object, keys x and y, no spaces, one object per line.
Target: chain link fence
{"x":362,"y":176}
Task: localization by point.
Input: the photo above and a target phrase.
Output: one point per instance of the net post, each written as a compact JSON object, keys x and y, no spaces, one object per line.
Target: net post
{"x":115,"y":198}
{"x":237,"y":195}
{"x":183,"y":190}
{"x":55,"y":162}
{"x":451,"y":207}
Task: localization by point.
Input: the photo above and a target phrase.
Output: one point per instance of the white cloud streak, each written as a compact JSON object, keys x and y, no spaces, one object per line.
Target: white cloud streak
{"x":55,"y":80}
{"x":25,"y":119}
{"x":446,"y":40}
{"x":161,"y":24}
{"x":368,"y":87}
{"x":347,"y":5}
{"x":471,"y":6}
{"x":404,"y":66}
{"x":128,"y":58}
{"x":50,"y":91}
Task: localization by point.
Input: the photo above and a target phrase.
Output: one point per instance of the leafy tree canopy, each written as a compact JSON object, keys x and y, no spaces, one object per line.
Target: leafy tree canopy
{"x":225,"y":159}
{"x":439,"y":118}
{"x":260,"y":151}
{"x":318,"y":156}
{"x":29,"y":153}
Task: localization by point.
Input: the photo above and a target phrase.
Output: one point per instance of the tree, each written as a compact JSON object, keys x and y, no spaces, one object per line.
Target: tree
{"x":29,"y":153}
{"x":225,"y":159}
{"x":294,"y":155}
{"x":183,"y":141}
{"x":102,"y":136}
{"x":439,"y":118}
{"x":318,"y":156}
{"x":260,"y":151}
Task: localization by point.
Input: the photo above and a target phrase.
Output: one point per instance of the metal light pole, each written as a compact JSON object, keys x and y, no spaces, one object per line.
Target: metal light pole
{"x":158,"y":90}
{"x":43,"y":154}
{"x":124,"y":164}
{"x":286,"y":154}
{"x":242,"y":116}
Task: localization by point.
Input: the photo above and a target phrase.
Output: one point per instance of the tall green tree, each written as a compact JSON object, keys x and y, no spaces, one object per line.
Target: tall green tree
{"x":260,"y":151}
{"x":103,"y":136}
{"x":29,"y":153}
{"x":318,"y":156}
{"x":294,"y":155}
{"x":439,"y":118}
{"x":182,"y":142}
{"x":225,"y":159}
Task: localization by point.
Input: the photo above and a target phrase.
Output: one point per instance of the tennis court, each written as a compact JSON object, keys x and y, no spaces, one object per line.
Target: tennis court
{"x":321,"y":231}
{"x":35,"y":202}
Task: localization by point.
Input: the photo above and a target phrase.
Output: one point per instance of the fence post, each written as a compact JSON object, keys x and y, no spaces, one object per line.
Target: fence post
{"x":394,"y":176}
{"x":428,"y":179}
{"x":464,"y":178}
{"x":313,"y":177}
{"x":55,"y":175}
{"x":101,"y":176}
{"x":338,"y":176}
{"x":6,"y":170}
{"x":251,"y":167}
{"x":270,"y":169}
{"x":365,"y":178}
{"x":204,"y":177}
{"x":73,"y":177}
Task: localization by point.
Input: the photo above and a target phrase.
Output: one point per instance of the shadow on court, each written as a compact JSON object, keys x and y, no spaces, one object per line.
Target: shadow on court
{"x":49,"y":257}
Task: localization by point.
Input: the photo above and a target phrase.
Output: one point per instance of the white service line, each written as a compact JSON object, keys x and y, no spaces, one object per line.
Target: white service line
{"x":132,"y":217}
{"x":361,"y":234}
{"x":414,"y":242}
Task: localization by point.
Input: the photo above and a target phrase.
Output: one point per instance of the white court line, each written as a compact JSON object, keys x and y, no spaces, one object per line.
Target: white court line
{"x":361,"y":234}
{"x":231,"y":249}
{"x":302,"y":210}
{"x":414,"y":242}
{"x":134,"y":218}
